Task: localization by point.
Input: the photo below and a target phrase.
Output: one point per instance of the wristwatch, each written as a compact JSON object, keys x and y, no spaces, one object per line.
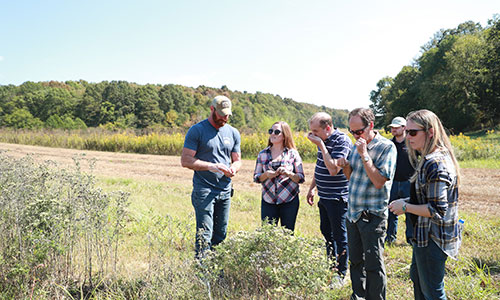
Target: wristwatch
{"x":366,"y":158}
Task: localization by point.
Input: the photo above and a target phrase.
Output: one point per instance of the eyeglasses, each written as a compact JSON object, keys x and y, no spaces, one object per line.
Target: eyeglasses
{"x":358,"y":132}
{"x":276,"y":131}
{"x":413,"y":132}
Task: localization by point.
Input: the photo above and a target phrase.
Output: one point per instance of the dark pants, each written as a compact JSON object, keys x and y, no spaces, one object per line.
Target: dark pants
{"x":286,"y":213}
{"x":332,"y":215}
{"x":211,"y":208}
{"x":366,"y":254}
{"x":427,"y":272}
{"x":399,"y":189}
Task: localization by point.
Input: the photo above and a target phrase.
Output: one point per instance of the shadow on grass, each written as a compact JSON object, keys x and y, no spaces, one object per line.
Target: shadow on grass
{"x":493,"y":266}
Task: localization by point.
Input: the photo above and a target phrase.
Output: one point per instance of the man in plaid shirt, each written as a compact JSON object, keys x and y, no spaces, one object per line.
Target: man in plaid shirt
{"x":370,"y":168}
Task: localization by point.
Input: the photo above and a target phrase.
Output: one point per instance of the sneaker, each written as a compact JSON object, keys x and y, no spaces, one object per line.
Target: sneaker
{"x":337,"y":282}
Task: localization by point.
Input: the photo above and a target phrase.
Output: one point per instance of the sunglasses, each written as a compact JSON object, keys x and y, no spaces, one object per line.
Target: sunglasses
{"x":358,"y":132}
{"x":413,"y":132}
{"x":276,"y":131}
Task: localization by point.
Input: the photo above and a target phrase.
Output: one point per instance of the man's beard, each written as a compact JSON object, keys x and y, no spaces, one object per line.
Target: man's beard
{"x":218,"y":121}
{"x":398,"y":135}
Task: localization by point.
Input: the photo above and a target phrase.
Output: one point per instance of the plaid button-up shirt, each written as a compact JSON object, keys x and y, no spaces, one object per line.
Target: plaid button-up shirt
{"x":436,"y":186}
{"x":280,"y":189}
{"x":363,"y":195}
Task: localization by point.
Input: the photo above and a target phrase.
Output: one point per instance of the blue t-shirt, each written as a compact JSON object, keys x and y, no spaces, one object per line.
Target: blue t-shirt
{"x":215,"y":146}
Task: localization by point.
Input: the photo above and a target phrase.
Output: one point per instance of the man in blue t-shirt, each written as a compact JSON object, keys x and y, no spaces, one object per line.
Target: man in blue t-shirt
{"x":332,"y":186}
{"x":212,"y":150}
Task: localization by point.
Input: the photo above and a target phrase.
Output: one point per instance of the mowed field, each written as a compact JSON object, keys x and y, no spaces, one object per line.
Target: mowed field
{"x":479,"y":189}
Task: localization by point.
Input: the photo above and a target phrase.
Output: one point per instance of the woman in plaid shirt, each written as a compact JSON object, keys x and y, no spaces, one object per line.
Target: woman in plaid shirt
{"x":437,"y":232}
{"x":279,"y":170}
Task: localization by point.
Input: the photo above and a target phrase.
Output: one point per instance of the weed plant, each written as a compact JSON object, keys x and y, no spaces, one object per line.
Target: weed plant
{"x":56,"y":227}
{"x":269,"y":262}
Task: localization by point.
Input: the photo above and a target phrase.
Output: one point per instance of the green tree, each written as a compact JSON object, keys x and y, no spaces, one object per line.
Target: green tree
{"x":148,"y":111}
{"x":490,"y":103}
{"x":171,"y":118}
{"x":57,"y":101}
{"x":175,"y":97}
{"x":238,"y":118}
{"x":54,"y":121}
{"x":88,"y":107}
{"x":379,"y":100}
{"x":21,"y":118}
{"x":122,"y":95}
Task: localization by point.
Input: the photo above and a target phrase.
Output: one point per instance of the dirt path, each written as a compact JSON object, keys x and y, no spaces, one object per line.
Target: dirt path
{"x":479,"y":191}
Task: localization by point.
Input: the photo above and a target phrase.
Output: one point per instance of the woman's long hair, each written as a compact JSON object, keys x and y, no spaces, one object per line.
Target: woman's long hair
{"x":287,"y":135}
{"x":427,"y":120}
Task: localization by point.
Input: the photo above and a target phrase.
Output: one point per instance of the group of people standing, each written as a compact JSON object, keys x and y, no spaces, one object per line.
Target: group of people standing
{"x":362,"y":188}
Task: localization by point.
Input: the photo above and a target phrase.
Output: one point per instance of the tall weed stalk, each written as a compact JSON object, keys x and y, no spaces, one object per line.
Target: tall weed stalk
{"x":48,"y":216}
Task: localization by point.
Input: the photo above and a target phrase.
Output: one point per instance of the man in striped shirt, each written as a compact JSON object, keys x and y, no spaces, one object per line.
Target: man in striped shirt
{"x":332,"y":186}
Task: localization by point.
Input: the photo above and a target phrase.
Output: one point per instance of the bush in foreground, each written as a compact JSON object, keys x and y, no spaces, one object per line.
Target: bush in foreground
{"x":56,"y":227}
{"x":268,"y":263}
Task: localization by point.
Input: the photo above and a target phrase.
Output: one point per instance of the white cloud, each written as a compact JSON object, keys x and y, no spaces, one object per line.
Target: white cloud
{"x":1,"y":58}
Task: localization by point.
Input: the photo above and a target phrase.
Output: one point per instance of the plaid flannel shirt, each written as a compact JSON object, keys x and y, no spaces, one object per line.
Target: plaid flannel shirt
{"x":280,"y":189}
{"x":363,"y":195}
{"x":436,"y":186}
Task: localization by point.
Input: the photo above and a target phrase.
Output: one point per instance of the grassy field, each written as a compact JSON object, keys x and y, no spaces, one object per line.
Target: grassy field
{"x":475,"y":275}
{"x":155,"y":253}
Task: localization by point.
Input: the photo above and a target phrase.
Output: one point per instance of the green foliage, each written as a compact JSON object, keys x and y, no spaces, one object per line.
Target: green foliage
{"x":128,"y":105}
{"x":269,"y":262}
{"x":56,"y":122}
{"x":53,"y":223}
{"x":21,"y":118}
{"x":457,"y":77}
{"x":473,"y":149}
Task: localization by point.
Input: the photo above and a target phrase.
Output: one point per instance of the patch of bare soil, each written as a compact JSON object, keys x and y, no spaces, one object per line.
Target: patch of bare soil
{"x":479,"y":190}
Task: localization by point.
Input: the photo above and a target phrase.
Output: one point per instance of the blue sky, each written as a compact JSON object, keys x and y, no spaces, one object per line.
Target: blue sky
{"x":328,"y":53}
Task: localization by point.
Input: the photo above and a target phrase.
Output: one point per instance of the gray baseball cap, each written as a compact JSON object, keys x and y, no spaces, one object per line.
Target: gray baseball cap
{"x":222,"y":105}
{"x":397,"y":122}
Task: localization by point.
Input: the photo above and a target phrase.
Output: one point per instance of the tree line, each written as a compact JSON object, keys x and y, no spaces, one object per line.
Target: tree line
{"x":121,"y":104}
{"x":457,"y":76}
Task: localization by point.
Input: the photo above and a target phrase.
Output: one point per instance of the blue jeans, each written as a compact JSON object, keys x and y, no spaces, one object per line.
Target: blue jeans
{"x":332,"y":215}
{"x":284,"y":212}
{"x":366,"y":254}
{"x":399,"y":189}
{"x":427,"y":272}
{"x":211,"y":208}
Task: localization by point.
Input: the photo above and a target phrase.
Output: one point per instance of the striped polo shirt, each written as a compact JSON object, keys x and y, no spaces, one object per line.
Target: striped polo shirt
{"x":335,"y":187}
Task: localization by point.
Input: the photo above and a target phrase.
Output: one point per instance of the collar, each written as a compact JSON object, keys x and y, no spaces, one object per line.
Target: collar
{"x":437,"y":153}
{"x":268,"y":149}
{"x":374,"y":141}
{"x":332,"y":136}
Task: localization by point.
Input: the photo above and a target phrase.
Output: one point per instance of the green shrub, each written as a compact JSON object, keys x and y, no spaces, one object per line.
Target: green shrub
{"x":267,"y":263}
{"x":54,"y":224}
